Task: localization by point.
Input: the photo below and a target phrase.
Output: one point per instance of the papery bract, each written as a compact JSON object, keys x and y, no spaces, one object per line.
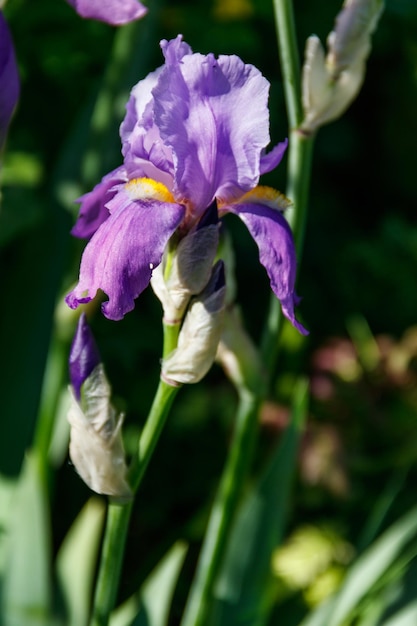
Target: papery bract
{"x":96,"y":445}
{"x":199,"y":335}
{"x":195,"y":132}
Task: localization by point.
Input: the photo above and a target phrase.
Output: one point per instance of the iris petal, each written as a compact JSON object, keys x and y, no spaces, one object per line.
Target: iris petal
{"x":115,"y":12}
{"x":214,"y":116}
{"x":273,"y":237}
{"x":120,"y":256}
{"x":93,"y":211}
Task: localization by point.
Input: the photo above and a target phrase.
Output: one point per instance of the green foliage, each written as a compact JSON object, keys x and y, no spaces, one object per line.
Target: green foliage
{"x":356,"y":465}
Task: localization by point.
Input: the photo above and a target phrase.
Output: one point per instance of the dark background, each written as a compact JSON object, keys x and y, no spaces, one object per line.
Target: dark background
{"x":357,"y":278}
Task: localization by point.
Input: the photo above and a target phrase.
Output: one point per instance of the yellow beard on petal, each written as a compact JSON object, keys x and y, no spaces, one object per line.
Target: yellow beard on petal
{"x":266,"y":195}
{"x":148,"y":189}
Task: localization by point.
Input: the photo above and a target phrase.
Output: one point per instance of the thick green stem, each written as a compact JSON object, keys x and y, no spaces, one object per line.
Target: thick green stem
{"x":171,"y":332}
{"x":221,"y":518}
{"x":154,"y":424}
{"x":112,"y":551}
{"x":299,"y":162}
{"x":290,"y":63}
{"x":118,"y":515}
{"x":239,"y":460}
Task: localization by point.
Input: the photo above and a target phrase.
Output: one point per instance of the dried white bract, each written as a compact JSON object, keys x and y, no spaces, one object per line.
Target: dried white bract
{"x":332,"y":82}
{"x":199,"y":335}
{"x":96,"y":446}
{"x":189,"y":271}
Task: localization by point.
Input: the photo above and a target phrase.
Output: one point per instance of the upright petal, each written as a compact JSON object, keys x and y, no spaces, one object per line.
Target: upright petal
{"x":120,"y":256}
{"x":114,"y":12}
{"x":9,"y":79}
{"x":274,"y":239}
{"x":214,"y":116}
{"x":139,"y":109}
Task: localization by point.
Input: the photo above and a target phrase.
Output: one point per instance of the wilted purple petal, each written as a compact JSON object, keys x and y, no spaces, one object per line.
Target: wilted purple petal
{"x":273,"y":237}
{"x":271,"y":160}
{"x":214,"y":116}
{"x":114,"y":12}
{"x":93,"y":211}
{"x":120,"y":256}
{"x":9,"y":79}
{"x":84,"y":355}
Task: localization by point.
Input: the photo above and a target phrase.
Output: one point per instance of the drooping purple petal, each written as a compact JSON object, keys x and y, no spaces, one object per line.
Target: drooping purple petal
{"x":9,"y":79}
{"x":84,"y":355}
{"x":274,"y":239}
{"x":93,"y":211}
{"x":214,"y":116}
{"x":114,"y":12}
{"x":120,"y":256}
{"x":271,"y":160}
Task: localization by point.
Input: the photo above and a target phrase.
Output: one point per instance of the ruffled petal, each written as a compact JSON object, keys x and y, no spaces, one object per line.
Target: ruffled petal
{"x":114,"y":12}
{"x":214,"y":116}
{"x":141,"y":142}
{"x":9,"y":79}
{"x":274,"y":239}
{"x":93,"y":211}
{"x":120,"y":256}
{"x":139,"y":109}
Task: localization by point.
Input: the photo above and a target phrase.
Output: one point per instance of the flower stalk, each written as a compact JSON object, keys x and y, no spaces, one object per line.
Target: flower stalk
{"x":222,"y":513}
{"x":240,"y":455}
{"x":118,"y":515}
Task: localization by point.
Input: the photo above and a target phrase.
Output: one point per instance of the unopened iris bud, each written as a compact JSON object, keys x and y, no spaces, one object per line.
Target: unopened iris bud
{"x":238,"y":355}
{"x":96,"y":446}
{"x":331,"y":83}
{"x":185,"y":271}
{"x":84,"y":356}
{"x":227,"y":253}
{"x":199,"y":335}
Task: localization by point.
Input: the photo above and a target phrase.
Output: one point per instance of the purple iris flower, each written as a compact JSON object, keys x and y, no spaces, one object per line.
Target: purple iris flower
{"x":9,"y":79}
{"x":115,"y":12}
{"x":195,"y":132}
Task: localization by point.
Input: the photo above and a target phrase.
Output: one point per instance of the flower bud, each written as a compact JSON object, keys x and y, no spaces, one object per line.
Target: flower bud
{"x":199,"y":335}
{"x":331,"y":83}
{"x":227,"y":254}
{"x":96,"y":446}
{"x":238,"y":355}
{"x":185,"y":271}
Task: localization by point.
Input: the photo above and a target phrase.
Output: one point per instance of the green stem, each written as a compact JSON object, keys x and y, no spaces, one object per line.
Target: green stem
{"x":118,"y":515}
{"x":299,"y":163}
{"x":171,"y":332}
{"x":158,"y":414}
{"x":221,"y":518}
{"x":112,"y":551}
{"x":54,"y":377}
{"x":290,"y":63}
{"x":239,"y":459}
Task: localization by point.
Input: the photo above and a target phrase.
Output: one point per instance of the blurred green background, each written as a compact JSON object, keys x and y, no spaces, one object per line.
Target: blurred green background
{"x":357,"y":278}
